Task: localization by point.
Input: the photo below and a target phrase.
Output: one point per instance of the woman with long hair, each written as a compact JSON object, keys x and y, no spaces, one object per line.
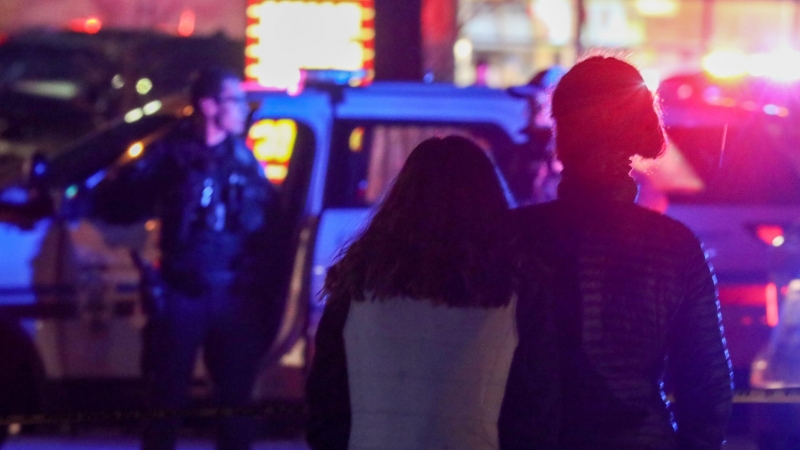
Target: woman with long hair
{"x":416,"y":341}
{"x":636,"y":300}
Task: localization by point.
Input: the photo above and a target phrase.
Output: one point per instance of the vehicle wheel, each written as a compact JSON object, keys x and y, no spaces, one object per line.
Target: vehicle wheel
{"x":21,"y":376}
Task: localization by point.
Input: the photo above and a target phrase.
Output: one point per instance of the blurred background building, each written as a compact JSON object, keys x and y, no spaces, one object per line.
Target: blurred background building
{"x":492,"y":42}
{"x":509,"y":40}
{"x":182,"y":17}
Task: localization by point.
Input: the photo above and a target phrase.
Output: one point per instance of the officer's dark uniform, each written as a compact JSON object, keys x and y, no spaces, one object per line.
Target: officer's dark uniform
{"x":217,"y":213}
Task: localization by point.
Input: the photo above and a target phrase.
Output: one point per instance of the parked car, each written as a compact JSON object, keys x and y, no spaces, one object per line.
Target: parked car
{"x":57,"y":86}
{"x":67,"y":282}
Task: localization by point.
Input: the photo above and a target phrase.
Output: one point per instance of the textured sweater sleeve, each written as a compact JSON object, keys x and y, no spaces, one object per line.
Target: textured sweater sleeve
{"x":698,"y":363}
{"x":327,"y":390}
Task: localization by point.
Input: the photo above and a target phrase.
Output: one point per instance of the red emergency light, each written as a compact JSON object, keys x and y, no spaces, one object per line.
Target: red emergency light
{"x":781,"y":65}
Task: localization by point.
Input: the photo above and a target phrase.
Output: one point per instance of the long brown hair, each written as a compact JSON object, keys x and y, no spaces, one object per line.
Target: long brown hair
{"x":437,"y":235}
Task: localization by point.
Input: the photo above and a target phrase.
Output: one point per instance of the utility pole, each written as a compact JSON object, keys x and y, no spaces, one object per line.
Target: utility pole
{"x":439,"y":35}
{"x":398,"y":40}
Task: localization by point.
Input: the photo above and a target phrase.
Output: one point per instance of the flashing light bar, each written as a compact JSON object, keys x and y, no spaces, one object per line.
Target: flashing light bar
{"x":287,"y":40}
{"x":725,"y":64}
{"x":781,"y":65}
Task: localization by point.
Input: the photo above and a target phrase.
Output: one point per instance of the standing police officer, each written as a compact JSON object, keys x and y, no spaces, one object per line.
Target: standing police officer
{"x":217,"y":211}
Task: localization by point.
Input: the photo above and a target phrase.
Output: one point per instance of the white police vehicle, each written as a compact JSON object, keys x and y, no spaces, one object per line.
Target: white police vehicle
{"x":732,"y":174}
{"x":67,"y":284}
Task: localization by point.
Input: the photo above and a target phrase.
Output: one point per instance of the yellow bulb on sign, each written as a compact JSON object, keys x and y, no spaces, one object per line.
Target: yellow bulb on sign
{"x":253,"y":11}
{"x":367,"y":34}
{"x":367,"y":14}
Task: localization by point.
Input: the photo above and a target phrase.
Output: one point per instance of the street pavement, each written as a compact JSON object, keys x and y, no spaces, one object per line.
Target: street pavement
{"x":132,"y":443}
{"x":125,"y":443}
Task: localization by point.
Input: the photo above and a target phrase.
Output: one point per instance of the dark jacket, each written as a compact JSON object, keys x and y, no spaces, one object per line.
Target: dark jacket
{"x":217,"y":210}
{"x":634,"y":300}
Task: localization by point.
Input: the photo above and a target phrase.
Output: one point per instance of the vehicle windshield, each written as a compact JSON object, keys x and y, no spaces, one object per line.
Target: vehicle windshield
{"x":729,"y":144}
{"x":755,"y":164}
{"x":372,"y":155}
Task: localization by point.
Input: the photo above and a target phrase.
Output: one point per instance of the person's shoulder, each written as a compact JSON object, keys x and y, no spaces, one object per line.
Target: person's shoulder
{"x":532,"y":213}
{"x":530,"y":221}
{"x":663,"y":225}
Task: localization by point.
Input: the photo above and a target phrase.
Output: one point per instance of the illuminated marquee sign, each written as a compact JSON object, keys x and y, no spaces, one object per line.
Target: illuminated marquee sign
{"x":272,"y":142}
{"x":290,"y":40}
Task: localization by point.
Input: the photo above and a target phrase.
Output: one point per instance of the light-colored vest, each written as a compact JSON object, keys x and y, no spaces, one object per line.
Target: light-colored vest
{"x":427,"y":377}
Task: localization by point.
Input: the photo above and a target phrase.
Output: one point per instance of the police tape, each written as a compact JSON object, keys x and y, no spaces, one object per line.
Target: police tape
{"x":286,"y":410}
{"x":748,"y":396}
{"x":783,"y":395}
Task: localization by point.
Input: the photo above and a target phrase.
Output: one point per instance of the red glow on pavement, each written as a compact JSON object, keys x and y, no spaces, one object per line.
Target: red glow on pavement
{"x":742,"y":294}
{"x":772,"y":304}
{"x":765,"y":295}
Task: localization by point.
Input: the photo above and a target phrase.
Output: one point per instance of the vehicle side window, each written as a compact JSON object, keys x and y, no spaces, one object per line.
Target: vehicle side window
{"x":366,"y":157}
{"x":746,"y":165}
